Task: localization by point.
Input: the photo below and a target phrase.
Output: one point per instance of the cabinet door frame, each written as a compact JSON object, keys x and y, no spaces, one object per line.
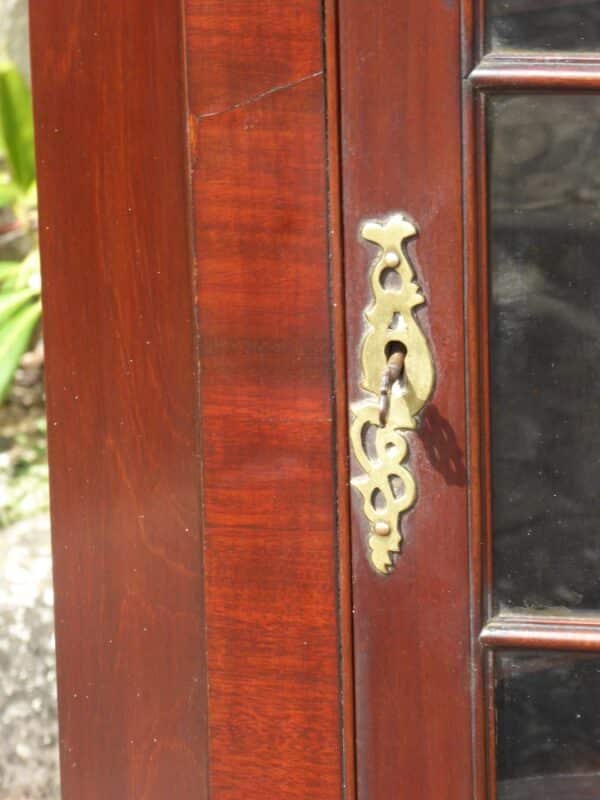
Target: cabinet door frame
{"x":401,"y":127}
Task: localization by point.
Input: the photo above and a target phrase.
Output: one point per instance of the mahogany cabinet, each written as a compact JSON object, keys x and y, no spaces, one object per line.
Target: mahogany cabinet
{"x":321,"y":317}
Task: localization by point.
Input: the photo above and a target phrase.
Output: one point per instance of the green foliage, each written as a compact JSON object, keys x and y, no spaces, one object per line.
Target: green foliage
{"x":20,"y":306}
{"x":16,"y":121}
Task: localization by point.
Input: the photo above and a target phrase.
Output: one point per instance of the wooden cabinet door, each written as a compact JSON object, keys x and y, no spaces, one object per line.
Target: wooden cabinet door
{"x":251,"y":213}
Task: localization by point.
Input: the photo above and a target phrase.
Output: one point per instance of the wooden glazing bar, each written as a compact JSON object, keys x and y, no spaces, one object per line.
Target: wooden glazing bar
{"x":501,"y":73}
{"x":512,"y":631}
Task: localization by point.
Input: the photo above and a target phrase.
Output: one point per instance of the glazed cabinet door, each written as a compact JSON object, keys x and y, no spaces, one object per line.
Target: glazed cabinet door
{"x":320,"y":300}
{"x":469,"y":150}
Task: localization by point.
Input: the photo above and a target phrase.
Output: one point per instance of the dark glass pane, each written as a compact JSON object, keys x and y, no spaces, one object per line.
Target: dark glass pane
{"x":566,"y":25}
{"x":544,"y":167}
{"x":548,"y":726}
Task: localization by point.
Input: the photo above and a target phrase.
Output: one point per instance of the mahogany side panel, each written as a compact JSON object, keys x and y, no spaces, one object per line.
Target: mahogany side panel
{"x":401,"y":134}
{"x":109,"y":94}
{"x":257,"y":101}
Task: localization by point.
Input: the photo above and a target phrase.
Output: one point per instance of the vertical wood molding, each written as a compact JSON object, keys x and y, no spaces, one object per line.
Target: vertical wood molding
{"x":336,"y":254}
{"x":109,"y":95}
{"x":257,"y":116}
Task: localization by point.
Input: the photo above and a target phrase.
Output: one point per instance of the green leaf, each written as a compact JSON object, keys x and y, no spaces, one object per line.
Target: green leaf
{"x":16,"y":121}
{"x":10,"y":302}
{"x":9,"y":194}
{"x":25,"y":274}
{"x":15,"y":336}
{"x":9,"y":272}
{"x":29,"y":274}
{"x":31,"y":197}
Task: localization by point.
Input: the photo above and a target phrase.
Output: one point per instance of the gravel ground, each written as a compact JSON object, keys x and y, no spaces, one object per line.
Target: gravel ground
{"x":28,"y":726}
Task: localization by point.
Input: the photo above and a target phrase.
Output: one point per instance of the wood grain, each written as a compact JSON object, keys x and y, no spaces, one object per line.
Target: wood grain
{"x":401,"y":129}
{"x":257,"y":101}
{"x":336,"y":247}
{"x":122,"y":398}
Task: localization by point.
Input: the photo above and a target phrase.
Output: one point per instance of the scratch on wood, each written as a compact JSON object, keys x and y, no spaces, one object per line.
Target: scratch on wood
{"x":260,"y":96}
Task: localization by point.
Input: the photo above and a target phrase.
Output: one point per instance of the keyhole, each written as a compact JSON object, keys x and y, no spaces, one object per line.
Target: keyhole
{"x":393,"y":347}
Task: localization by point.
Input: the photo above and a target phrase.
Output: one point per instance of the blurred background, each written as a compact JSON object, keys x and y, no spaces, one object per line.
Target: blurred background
{"x":28,"y":726}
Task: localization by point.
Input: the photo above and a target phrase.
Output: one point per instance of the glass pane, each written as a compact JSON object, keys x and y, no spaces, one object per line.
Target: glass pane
{"x":548,"y":726}
{"x":544,"y":167}
{"x":567,"y":25}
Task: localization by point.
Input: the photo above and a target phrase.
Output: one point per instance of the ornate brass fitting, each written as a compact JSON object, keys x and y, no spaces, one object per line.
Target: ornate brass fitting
{"x":397,"y":368}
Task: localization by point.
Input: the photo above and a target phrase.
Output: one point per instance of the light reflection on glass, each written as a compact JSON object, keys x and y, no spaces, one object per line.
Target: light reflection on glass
{"x":548,"y":726}
{"x":544,"y":168}
{"x":543,"y":25}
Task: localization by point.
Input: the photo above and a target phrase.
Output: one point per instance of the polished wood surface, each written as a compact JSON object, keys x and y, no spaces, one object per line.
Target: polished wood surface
{"x":542,"y":632}
{"x":203,"y":315}
{"x":401,"y":130}
{"x":122,"y":398}
{"x":479,"y":455}
{"x":257,"y":116}
{"x":336,"y":244}
{"x":531,"y":74}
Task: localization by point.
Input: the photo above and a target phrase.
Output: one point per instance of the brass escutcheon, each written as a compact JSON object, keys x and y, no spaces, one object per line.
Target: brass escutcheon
{"x":398,"y":373}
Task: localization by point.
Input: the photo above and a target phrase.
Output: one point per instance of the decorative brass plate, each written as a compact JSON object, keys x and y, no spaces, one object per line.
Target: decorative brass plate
{"x":396,"y":366}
